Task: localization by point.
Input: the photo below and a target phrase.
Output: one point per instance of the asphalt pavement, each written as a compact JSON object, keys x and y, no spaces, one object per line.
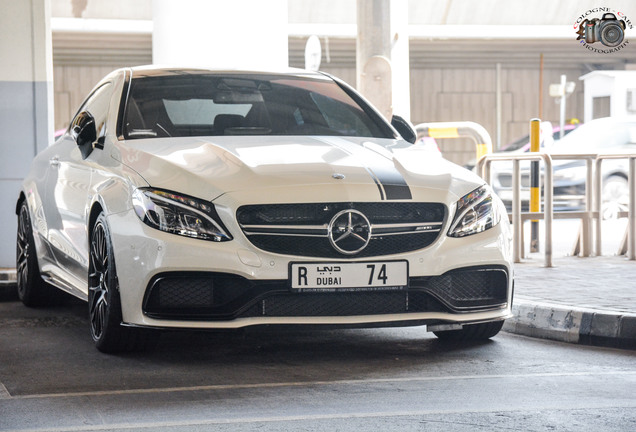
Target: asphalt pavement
{"x":589,"y":301}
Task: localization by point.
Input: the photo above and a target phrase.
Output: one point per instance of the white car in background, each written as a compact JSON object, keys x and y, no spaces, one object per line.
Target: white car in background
{"x":203,"y":199}
{"x":609,"y":135}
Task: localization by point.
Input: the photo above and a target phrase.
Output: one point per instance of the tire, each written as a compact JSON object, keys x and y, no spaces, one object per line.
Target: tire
{"x":471,"y":332}
{"x":32,"y":290}
{"x":615,"y":196}
{"x":104,"y":303}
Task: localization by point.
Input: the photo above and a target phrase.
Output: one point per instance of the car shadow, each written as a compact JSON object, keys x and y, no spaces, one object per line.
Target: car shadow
{"x":54,"y":345}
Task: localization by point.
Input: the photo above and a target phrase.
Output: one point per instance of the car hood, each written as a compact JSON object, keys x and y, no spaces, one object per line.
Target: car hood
{"x":344,"y":168}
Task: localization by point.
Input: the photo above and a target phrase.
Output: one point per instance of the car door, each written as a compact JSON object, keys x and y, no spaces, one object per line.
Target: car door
{"x":68,"y":192}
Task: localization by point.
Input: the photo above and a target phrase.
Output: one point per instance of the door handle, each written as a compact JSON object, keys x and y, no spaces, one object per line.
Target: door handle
{"x":54,"y":161}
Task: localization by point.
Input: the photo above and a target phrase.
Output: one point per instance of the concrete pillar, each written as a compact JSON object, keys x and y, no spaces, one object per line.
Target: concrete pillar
{"x":26,"y":104}
{"x":383,"y":35}
{"x":240,"y":34}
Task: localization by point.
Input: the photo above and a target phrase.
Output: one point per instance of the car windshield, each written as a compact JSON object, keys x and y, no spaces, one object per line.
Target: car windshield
{"x":247,"y":104}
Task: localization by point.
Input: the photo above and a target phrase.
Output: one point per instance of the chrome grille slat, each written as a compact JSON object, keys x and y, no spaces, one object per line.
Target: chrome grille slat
{"x":321,"y":231}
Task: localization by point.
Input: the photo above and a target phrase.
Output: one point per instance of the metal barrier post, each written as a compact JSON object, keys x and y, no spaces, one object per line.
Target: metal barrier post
{"x":516,"y":212}
{"x":598,"y":203}
{"x":598,"y":178}
{"x":462,"y":129}
{"x":549,"y":209}
{"x":587,"y":216}
{"x":535,"y":188}
{"x":632,"y":208}
{"x":587,"y":221}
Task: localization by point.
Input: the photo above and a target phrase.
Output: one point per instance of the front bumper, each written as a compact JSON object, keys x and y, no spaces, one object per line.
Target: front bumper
{"x":169,"y":281}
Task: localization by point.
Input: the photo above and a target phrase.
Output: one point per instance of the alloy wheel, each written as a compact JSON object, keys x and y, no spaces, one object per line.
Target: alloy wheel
{"x":99,"y":281}
{"x":23,"y":249}
{"x":615,"y":197}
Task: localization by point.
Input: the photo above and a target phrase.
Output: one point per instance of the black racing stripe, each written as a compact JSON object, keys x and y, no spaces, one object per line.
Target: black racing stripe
{"x":394,"y":185}
{"x":377,"y":183}
{"x":391,"y":184}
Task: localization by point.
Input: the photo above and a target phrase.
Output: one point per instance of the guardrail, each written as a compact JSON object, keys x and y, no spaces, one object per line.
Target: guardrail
{"x":593,"y":200}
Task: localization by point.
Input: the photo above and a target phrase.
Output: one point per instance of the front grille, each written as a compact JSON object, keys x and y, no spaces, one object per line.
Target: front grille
{"x":185,"y":293}
{"x":303,"y":229}
{"x":345,"y":304}
{"x":221,"y":296}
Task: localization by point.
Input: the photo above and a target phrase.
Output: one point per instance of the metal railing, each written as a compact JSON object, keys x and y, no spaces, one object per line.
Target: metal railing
{"x":483,"y":167}
{"x":593,"y":200}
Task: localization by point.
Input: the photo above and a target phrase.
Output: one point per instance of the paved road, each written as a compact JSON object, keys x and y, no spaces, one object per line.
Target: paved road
{"x":52,"y":379}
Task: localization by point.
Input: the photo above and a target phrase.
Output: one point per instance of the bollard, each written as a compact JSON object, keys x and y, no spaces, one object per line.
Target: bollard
{"x":535,"y":190}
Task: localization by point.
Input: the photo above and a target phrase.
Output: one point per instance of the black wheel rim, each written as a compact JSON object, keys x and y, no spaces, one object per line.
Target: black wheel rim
{"x":615,"y":198}
{"x":23,"y":250}
{"x":98,"y":280}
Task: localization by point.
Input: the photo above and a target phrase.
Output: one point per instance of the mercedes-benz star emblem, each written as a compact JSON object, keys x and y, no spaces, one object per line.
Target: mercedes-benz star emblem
{"x":349,"y":232}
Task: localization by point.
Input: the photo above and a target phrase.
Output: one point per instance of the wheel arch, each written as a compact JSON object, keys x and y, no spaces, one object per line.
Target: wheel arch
{"x":95,"y":211}
{"x":615,"y":173}
{"x":21,"y":199}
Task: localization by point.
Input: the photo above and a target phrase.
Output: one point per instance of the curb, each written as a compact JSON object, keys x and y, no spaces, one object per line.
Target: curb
{"x":566,"y":324}
{"x":7,"y":276}
{"x":8,"y":284}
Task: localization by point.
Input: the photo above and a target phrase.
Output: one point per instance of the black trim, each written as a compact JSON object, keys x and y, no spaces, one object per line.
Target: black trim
{"x":121,"y":115}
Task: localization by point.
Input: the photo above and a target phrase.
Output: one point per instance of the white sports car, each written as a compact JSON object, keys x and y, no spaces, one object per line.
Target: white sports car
{"x":203,"y":199}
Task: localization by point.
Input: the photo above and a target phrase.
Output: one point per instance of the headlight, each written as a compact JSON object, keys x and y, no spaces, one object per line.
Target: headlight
{"x":476,"y":212}
{"x":179,"y":214}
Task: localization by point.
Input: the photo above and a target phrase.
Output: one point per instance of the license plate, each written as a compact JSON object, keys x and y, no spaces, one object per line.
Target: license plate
{"x":382,"y":275}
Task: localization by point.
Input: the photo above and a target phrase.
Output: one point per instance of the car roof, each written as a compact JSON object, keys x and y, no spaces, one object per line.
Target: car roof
{"x":611,"y":120}
{"x":153,"y":70}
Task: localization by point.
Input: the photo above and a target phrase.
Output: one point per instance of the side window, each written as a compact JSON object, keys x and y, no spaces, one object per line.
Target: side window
{"x":97,"y":105}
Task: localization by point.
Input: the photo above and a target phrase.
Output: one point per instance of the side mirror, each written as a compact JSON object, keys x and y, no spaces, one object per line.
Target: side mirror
{"x":405,"y":128}
{"x":84,"y":132}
